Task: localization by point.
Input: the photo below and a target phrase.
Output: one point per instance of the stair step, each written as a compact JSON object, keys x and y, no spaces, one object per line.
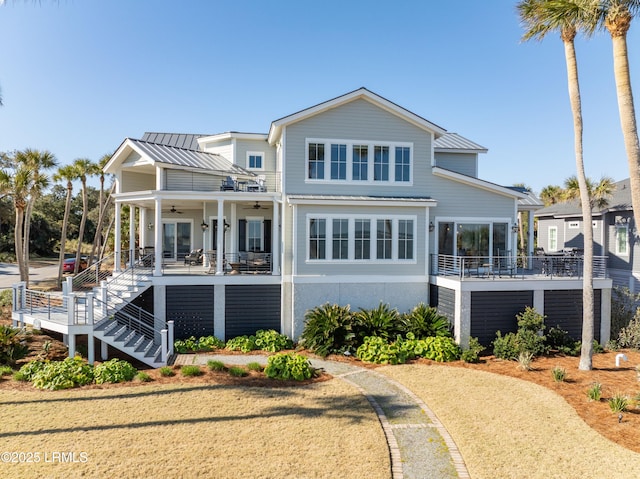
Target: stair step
{"x":134,"y":340}
{"x":125,"y":335}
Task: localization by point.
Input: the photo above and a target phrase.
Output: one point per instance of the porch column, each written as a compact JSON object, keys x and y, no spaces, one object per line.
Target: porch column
{"x":205,"y":233}
{"x":132,"y":234}
{"x":220,"y":239}
{"x":530,"y":241}
{"x":275,"y":239}
{"x":233,"y":231}
{"x":157,"y":241}
{"x":605,"y":315}
{"x":142,"y":228}
{"x":117,"y":237}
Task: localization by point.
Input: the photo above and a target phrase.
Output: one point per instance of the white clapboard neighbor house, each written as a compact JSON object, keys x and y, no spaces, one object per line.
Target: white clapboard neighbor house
{"x":356,"y":201}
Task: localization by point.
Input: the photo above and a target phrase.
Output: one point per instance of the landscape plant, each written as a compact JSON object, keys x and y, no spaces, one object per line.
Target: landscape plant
{"x":191,"y":370}
{"x":13,"y":345}
{"x":288,"y":366}
{"x":618,"y":403}
{"x":143,"y":377}
{"x":254,"y":366}
{"x":525,"y":358}
{"x":629,"y":336}
{"x":204,"y":343}
{"x":329,"y":329}
{"x":529,"y":337}
{"x":424,"y":321}
{"x":382,"y":321}
{"x":242,"y":343}
{"x":378,"y":350}
{"x":114,"y":371}
{"x":559,"y":374}
{"x":594,"y":393}
{"x":167,"y":371}
{"x":272,"y":341}
{"x":215,"y":365}
{"x":238,"y":371}
{"x":65,"y":374}
{"x":472,"y":353}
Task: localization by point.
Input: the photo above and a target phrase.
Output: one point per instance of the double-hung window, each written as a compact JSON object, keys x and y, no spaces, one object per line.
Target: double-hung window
{"x":316,"y":161}
{"x":360,"y":162}
{"x":553,"y":238}
{"x":362,"y":239}
{"x":317,"y":238}
{"x":381,"y":163}
{"x":403,"y":163}
{"x":405,"y":239}
{"x":340,"y":239}
{"x":338,"y":162}
{"x":622,"y":240}
{"x":254,"y":235}
{"x":384,"y":239}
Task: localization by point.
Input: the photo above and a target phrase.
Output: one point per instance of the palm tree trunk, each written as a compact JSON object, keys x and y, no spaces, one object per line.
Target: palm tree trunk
{"x":586,"y":352}
{"x":63,"y":237}
{"x":18,"y":242}
{"x":83,"y":221}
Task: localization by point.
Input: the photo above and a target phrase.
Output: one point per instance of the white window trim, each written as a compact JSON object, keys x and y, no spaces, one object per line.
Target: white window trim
{"x":370,"y":162}
{"x":373,"y":239}
{"x":626,"y":233}
{"x":256,"y":153}
{"x":552,"y":228}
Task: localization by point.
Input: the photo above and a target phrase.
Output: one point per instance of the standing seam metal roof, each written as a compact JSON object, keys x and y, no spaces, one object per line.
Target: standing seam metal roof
{"x":189,"y":158}
{"x":453,"y":141}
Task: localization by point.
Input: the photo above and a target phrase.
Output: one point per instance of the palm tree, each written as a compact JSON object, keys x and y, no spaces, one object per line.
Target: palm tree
{"x":599,"y":194}
{"x":68,"y":173}
{"x":551,"y":194}
{"x":84,"y":168}
{"x":101,"y":207}
{"x":17,"y":184}
{"x":36,"y":161}
{"x":616,"y":17}
{"x":565,"y":17}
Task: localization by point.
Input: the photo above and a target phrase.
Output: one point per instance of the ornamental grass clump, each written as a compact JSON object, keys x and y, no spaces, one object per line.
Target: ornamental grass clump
{"x":618,"y":403}
{"x":214,"y":365}
{"x":238,"y":371}
{"x":191,"y":371}
{"x":167,"y":371}
{"x":594,"y":393}
{"x":559,"y":374}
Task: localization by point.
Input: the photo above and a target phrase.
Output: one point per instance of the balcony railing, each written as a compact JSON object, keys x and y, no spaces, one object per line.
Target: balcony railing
{"x":549,"y":266}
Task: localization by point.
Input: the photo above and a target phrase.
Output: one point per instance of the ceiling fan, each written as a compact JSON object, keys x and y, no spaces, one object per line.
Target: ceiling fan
{"x":173,"y":210}
{"x":256,"y":206}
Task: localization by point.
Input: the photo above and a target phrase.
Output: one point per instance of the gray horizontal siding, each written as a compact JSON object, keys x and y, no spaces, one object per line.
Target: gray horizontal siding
{"x":249,"y":308}
{"x":181,"y":180}
{"x":444,"y":300}
{"x":463,"y":163}
{"x":132,"y":181}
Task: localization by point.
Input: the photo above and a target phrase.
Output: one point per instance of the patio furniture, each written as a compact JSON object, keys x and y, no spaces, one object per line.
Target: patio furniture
{"x":258,"y":184}
{"x":194,"y":257}
{"x":229,"y":184}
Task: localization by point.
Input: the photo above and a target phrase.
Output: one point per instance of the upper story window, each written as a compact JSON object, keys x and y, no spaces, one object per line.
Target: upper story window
{"x":361,"y":239}
{"x":622,"y":240}
{"x":255,"y":160}
{"x":316,"y":161}
{"x":338,"y":162}
{"x":353,"y":161}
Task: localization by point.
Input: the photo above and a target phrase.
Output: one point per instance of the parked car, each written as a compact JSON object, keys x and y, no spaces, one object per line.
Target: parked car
{"x":69,"y":265}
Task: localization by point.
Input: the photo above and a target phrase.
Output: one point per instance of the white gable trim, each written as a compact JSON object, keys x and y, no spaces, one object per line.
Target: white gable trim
{"x":230,"y":135}
{"x":121,"y":155}
{"x":361,"y":93}
{"x":475,"y":182}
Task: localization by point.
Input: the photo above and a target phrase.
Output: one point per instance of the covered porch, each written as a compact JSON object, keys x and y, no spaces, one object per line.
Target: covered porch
{"x":225,"y":232}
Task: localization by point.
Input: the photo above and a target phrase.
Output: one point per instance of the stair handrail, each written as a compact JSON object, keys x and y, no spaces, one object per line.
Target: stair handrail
{"x":133,"y":317}
{"x":96,"y":272}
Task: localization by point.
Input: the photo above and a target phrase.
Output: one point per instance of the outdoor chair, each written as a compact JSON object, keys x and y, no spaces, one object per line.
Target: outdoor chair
{"x":195,"y":257}
{"x":229,"y":184}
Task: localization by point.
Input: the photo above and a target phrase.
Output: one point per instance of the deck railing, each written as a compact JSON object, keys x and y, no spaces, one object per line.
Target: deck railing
{"x":94,"y":274}
{"x":547,"y":266}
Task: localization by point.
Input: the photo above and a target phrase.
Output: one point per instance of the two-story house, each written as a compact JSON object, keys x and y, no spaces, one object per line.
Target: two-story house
{"x":356,"y":201}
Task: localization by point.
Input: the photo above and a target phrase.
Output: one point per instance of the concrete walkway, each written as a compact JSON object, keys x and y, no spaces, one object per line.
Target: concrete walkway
{"x":419,"y":445}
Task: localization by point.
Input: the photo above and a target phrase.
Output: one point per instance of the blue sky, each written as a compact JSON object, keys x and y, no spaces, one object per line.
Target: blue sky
{"x":78,"y":76}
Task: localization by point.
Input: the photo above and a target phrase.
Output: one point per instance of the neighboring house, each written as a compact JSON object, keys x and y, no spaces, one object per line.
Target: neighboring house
{"x":560,"y":226}
{"x":352,"y":201}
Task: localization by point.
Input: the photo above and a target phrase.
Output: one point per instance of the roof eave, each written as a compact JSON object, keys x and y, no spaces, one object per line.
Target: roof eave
{"x":476,"y":182}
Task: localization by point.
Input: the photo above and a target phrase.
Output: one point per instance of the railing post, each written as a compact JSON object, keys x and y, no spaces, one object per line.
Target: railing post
{"x":23,"y":298}
{"x":171,"y":337}
{"x":69,"y":281}
{"x":89,"y":308}
{"x":91,"y":349}
{"x":15,"y":296}
{"x":71,"y":310}
{"x":103,"y":297}
{"x":163,"y":347}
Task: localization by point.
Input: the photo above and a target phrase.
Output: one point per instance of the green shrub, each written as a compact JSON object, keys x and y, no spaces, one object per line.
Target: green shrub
{"x":65,"y":374}
{"x":191,"y":344}
{"x":6,"y":371}
{"x":254,"y":366}
{"x":216,"y":365}
{"x":378,"y":350}
{"x":618,"y":403}
{"x":143,"y":377}
{"x":594,"y":393}
{"x":529,"y":337}
{"x":114,"y":371}
{"x":472,"y":353}
{"x":329,"y":329}
{"x":559,"y":340}
{"x":242,"y":343}
{"x":559,"y":374}
{"x":6,"y":297}
{"x":623,"y":309}
{"x":238,"y":371}
{"x":13,"y":345}
{"x":191,"y":371}
{"x":424,"y":321}
{"x":629,"y":336}
{"x":442,"y":349}
{"x":506,"y":347}
{"x":382,"y":322}
{"x":167,"y":371}
{"x":288,"y":366}
{"x":272,"y":341}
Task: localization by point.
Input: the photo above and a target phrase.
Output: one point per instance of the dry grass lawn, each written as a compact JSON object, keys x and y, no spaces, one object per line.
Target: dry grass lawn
{"x":321,"y":430}
{"x":506,"y":427}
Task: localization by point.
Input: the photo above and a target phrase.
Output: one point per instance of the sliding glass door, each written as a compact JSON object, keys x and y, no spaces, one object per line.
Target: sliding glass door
{"x":176,"y":240}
